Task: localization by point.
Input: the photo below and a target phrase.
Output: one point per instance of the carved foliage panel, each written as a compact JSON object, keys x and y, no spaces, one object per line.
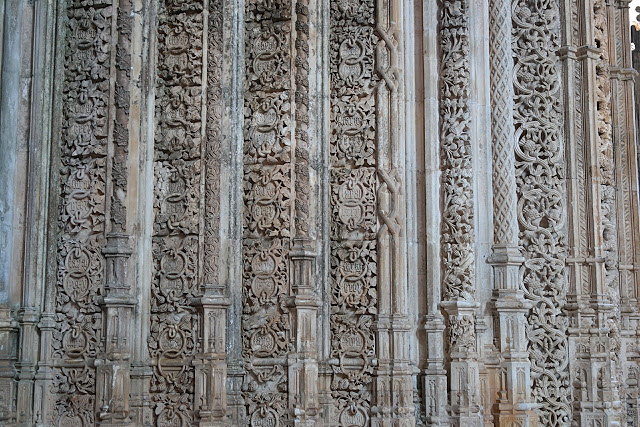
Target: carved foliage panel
{"x":605,"y":144}
{"x":353,"y":205}
{"x":541,"y":202}
{"x":81,"y":220}
{"x":268,"y":203}
{"x":120,"y":132}
{"x":457,"y":172}
{"x":173,"y":341}
{"x":212,"y":146}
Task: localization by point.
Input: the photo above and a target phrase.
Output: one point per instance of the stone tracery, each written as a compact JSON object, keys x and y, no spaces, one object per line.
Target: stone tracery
{"x":290,"y":189}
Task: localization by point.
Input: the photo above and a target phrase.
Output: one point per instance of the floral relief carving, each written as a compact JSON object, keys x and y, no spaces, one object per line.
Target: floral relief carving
{"x":77,"y":334}
{"x":541,"y":205}
{"x":268,"y":204}
{"x":354,"y":282}
{"x":268,"y":129}
{"x":457,"y":173}
{"x":311,"y":231}
{"x":462,"y":336}
{"x":173,"y":340}
{"x":353,"y":204}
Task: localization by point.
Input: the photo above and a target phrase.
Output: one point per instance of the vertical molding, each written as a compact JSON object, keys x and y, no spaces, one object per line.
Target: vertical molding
{"x":435,"y":374}
{"x":542,"y":203}
{"x":178,"y":233}
{"x":458,"y":235}
{"x":113,"y":365}
{"x":140,"y":200}
{"x":514,"y":405}
{"x":269,"y":150}
{"x":36,"y":124}
{"x":211,"y":366}
{"x":231,"y":179}
{"x":304,"y":302}
{"x":393,"y":376}
{"x":625,"y":170}
{"x":592,"y":299}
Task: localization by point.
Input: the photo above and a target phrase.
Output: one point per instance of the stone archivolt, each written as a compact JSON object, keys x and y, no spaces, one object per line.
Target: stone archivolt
{"x":245,"y":222}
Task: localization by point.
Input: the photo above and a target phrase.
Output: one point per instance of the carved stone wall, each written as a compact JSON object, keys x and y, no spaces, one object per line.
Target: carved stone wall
{"x":300,"y":212}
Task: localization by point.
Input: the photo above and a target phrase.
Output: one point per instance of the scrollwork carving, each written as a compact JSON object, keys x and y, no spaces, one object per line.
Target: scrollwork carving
{"x":354,"y":210}
{"x":455,"y":148}
{"x":269,"y":199}
{"x":179,"y":160}
{"x":77,"y":334}
{"x":541,"y":202}
{"x":211,"y":247}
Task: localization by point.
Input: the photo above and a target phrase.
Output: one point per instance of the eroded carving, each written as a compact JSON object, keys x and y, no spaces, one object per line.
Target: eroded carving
{"x":174,"y":338}
{"x":354,"y":219}
{"x":268,"y":203}
{"x":77,"y":335}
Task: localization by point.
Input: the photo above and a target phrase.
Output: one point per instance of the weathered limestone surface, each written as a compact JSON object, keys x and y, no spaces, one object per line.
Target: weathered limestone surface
{"x":318,"y":213}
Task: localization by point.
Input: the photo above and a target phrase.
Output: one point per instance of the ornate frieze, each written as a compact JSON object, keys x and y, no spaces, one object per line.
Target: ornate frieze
{"x":456,"y":163}
{"x":457,"y":233}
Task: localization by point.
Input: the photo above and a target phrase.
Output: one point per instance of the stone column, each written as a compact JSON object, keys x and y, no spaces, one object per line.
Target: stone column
{"x":211,"y":363}
{"x":113,"y":369}
{"x":113,"y":366}
{"x":625,"y":175}
{"x":591,"y":263}
{"x":435,"y":375}
{"x":25,"y":120}
{"x":542,"y":202}
{"x":458,"y":234}
{"x":514,"y":401}
{"x":304,"y":302}
{"x":303,"y":365}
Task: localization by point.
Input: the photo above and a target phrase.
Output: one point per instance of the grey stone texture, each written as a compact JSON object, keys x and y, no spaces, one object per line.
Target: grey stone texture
{"x":319,"y":213}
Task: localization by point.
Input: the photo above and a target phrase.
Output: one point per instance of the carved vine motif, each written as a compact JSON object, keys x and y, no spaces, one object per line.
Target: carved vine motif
{"x":457,"y":185}
{"x":354,"y":222}
{"x":173,"y":341}
{"x":212,"y":147}
{"x":606,"y":155}
{"x":541,"y":206}
{"x":121,"y":120}
{"x":353,"y":199}
{"x":81,"y":219}
{"x":462,"y":336}
{"x":268,"y":203}
{"x":302,"y":118}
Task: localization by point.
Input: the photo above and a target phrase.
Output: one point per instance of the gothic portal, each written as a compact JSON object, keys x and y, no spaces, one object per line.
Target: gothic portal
{"x":353,"y":213}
